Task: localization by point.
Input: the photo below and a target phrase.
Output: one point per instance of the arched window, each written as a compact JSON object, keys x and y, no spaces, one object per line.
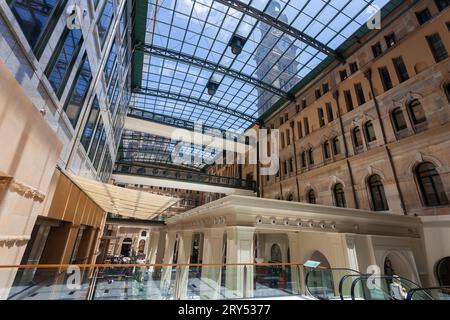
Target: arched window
{"x":275,"y":254}
{"x":303,"y":159}
{"x":443,"y":272}
{"x":326,"y":150}
{"x":311,"y":156}
{"x":336,"y":146}
{"x":339,"y":195}
{"x":399,"y":120}
{"x":311,"y":197}
{"x":379,"y":202}
{"x":417,"y":112}
{"x":357,"y":139}
{"x":430,"y":184}
{"x":369,"y":130}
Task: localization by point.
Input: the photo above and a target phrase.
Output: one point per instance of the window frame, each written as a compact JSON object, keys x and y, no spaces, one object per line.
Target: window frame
{"x":422,"y":190}
{"x":44,"y":37}
{"x":377,"y":187}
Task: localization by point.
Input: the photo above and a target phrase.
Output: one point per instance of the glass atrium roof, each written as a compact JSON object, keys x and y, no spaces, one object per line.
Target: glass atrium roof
{"x":184,"y":45}
{"x":146,"y":148}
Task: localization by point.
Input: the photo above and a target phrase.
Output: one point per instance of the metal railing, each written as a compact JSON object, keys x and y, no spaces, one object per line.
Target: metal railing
{"x":171,"y":121}
{"x":183,"y":175}
{"x":158,"y":281}
{"x":206,"y":282}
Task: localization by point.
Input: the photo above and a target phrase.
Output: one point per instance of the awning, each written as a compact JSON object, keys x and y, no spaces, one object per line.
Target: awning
{"x":125,"y":202}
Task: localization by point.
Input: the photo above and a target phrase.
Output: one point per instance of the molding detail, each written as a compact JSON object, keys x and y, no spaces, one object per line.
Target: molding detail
{"x":4,"y":182}
{"x":26,"y":191}
{"x":11,"y":241}
{"x":8,"y":183}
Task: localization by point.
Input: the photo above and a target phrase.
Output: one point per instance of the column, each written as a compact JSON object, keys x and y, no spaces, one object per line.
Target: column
{"x":239,"y":279}
{"x":184,"y":256}
{"x":212,"y":254}
{"x":297,"y":274}
{"x":166,"y":272}
{"x":153,"y":247}
{"x":161,"y":247}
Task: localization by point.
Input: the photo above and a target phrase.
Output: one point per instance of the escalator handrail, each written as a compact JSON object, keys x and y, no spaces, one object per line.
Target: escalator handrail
{"x":341,"y":282}
{"x":413,"y":291}
{"x":380,"y":276}
{"x":324,"y":269}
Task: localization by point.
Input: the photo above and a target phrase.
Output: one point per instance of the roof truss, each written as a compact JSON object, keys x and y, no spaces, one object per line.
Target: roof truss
{"x":203,"y":63}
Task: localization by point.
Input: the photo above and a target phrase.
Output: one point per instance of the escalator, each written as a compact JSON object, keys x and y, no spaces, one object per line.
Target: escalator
{"x":382,"y":287}
{"x":348,"y":284}
{"x":324,"y":284}
{"x":441,"y":293}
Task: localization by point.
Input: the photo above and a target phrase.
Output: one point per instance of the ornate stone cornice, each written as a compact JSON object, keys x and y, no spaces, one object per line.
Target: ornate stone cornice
{"x":13,"y":240}
{"x":4,"y":182}
{"x":27,"y":191}
{"x":8,"y":183}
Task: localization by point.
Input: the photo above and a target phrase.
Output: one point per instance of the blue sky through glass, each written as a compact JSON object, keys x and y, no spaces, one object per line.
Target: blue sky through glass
{"x":203,"y":29}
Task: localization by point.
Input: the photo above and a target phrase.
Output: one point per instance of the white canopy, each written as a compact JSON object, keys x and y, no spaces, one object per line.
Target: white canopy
{"x":126,"y":202}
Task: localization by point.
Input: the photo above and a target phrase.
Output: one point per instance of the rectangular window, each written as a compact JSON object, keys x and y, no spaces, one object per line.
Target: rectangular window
{"x":391,"y":40}
{"x":321,"y":117}
{"x":318,"y":93}
{"x":423,"y":16}
{"x":311,"y":156}
{"x":299,"y":130}
{"x":377,"y":50}
{"x":360,"y":94}
{"x":303,"y":159}
{"x":104,"y":22}
{"x":37,"y":20}
{"x":95,"y":140}
{"x":400,"y":68}
{"x":63,"y":59}
{"x":306,"y":125}
{"x":442,"y":4}
{"x":330,"y":114}
{"x":385,"y":78}
{"x":123,"y":21}
{"x":325,"y":88}
{"x":110,"y":62}
{"x":78,"y":92}
{"x":348,"y":100}
{"x":89,"y":127}
{"x":437,"y":47}
{"x":354,"y":67}
{"x":100,"y":149}
{"x":343,"y":74}
{"x":283,"y":142}
{"x":304,"y":105}
{"x":288,"y":137}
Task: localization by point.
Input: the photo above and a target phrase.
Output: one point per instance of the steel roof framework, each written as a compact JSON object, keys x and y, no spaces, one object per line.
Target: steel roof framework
{"x":188,"y":44}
